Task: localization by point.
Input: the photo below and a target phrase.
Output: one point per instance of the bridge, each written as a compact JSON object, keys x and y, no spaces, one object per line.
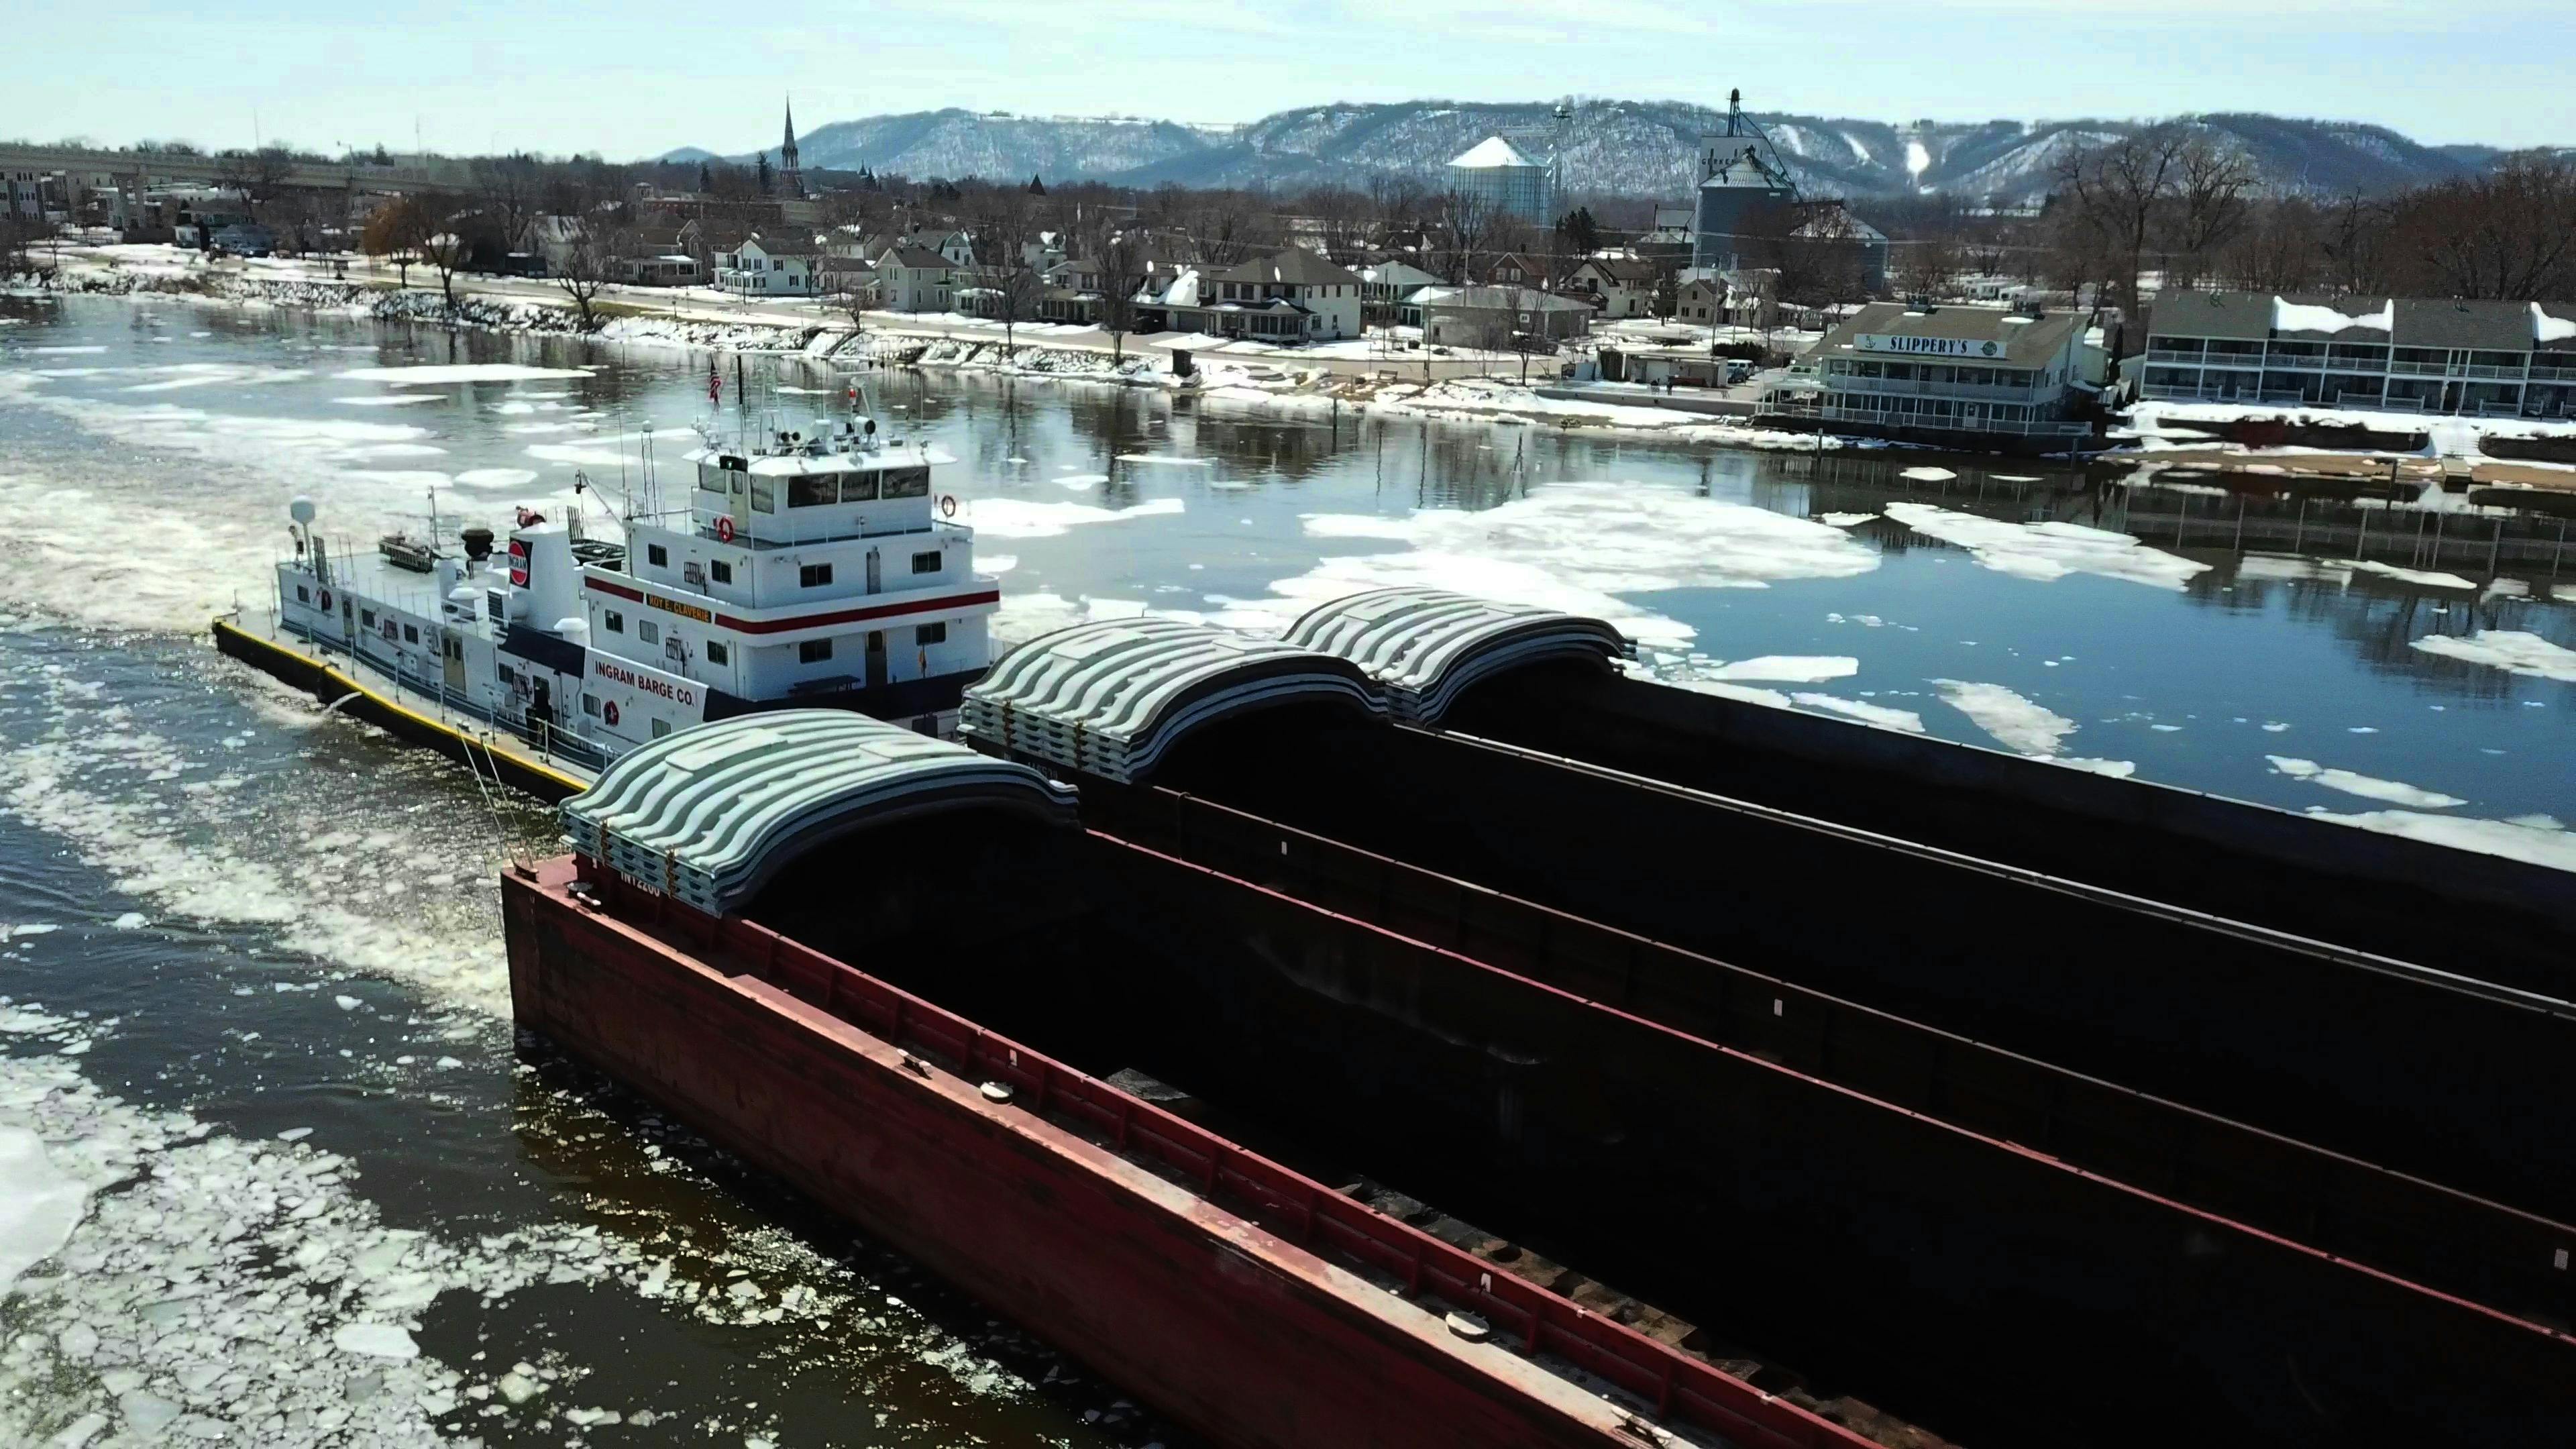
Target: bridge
{"x":153,"y":167}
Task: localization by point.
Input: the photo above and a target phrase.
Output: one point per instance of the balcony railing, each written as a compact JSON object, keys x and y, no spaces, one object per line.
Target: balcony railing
{"x":1826,"y":412}
{"x":1973,"y":392}
{"x":2553,"y":374}
{"x":2187,"y":359}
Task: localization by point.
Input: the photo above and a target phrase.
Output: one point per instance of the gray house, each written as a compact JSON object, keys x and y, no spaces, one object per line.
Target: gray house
{"x":2409,"y":354}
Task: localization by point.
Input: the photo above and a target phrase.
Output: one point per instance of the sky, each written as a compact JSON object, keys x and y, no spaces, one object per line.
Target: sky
{"x":645,"y":76}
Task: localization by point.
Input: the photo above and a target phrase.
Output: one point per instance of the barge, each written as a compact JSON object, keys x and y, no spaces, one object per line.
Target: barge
{"x":1161,"y":1118}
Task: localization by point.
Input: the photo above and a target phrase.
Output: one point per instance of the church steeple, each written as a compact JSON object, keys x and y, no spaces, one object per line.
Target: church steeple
{"x":791,"y":178}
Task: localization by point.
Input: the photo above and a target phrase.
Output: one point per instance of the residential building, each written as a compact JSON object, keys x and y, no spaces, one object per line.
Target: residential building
{"x":848,"y":281}
{"x":1492,"y":318}
{"x":1620,"y":286}
{"x":1702,"y":300}
{"x":1514,"y":270}
{"x":1291,"y":296}
{"x":1946,"y":374}
{"x":1385,"y":284}
{"x":1500,"y":176}
{"x":657,"y":269}
{"x":1042,"y":251}
{"x":22,"y":195}
{"x":913,"y":278}
{"x":957,"y":246}
{"x":2410,"y":354}
{"x":766,"y":266}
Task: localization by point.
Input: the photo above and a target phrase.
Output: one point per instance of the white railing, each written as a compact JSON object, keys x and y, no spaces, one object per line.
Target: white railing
{"x":2033,"y":427}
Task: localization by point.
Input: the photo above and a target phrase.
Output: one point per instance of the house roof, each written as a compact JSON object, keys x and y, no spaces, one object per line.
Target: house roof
{"x":1294,"y":265}
{"x":914,"y":254}
{"x":1498,"y":299}
{"x":1491,"y":152}
{"x":1620,"y":269}
{"x":784,"y":246}
{"x":2436,"y":322}
{"x":2020,"y":339}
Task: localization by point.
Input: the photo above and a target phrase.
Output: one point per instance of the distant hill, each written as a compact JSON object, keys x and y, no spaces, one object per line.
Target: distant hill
{"x":1638,"y":148}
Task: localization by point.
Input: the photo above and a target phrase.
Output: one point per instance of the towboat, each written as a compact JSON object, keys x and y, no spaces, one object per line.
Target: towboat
{"x":813,"y":568}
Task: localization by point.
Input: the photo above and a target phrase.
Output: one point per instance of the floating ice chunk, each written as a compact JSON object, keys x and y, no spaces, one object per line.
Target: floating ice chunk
{"x":2509,"y":649}
{"x":347,"y":1003}
{"x":427,"y":373}
{"x":1080,"y":482}
{"x":2394,"y":792}
{"x":1928,"y":475}
{"x":130,"y":921}
{"x":1173,"y":458}
{"x":1844,"y":520}
{"x":2510,"y":838}
{"x":78,"y":1432}
{"x":1027,"y":518}
{"x":2015,"y":722}
{"x":40,"y":1204}
{"x":294,"y":1134}
{"x":2274,"y":726}
{"x":37,"y":929}
{"x":1749,"y":695}
{"x":2428,"y":578}
{"x":518,"y":1388}
{"x":496,"y":477}
{"x":1790,"y":668}
{"x":146,"y":1414}
{"x":2116,"y":769}
{"x":2047,"y":551}
{"x":1878,"y":714}
{"x":375,"y":1340}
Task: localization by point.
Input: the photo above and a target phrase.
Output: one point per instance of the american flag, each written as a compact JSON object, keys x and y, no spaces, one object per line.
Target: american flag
{"x":715,"y":382}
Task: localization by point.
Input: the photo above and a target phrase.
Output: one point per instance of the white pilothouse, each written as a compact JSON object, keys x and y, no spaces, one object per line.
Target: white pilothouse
{"x":819,"y":569}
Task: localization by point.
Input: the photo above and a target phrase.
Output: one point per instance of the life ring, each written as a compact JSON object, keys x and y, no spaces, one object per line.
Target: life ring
{"x":724,"y":530}
{"x":948,"y":505}
{"x":326,"y":601}
{"x":608,"y":711}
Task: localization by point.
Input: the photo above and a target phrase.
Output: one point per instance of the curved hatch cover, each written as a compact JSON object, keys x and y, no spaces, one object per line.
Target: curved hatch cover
{"x":1426,"y":646}
{"x":708,"y":815}
{"x":1111,"y":697}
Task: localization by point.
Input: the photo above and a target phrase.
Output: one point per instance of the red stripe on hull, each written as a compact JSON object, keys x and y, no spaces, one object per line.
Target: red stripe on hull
{"x":816,"y":621}
{"x":1230,"y":1329}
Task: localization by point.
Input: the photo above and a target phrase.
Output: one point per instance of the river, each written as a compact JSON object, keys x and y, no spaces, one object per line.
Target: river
{"x":273,"y":1168}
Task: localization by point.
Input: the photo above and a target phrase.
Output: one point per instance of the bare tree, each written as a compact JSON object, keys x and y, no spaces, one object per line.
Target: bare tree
{"x":446,"y":250}
{"x":2211,"y":204}
{"x":1464,"y":232}
{"x":1341,"y":217}
{"x":257,"y":175}
{"x":1121,"y":273}
{"x":395,"y":233}
{"x":1928,"y":267}
{"x":2118,"y":189}
{"x":589,"y":263}
{"x":510,"y":188}
{"x":1015,"y":289}
{"x":2508,"y":235}
{"x":850,"y":284}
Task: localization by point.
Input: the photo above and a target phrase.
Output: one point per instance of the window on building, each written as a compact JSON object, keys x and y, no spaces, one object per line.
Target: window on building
{"x":657,"y":556}
{"x":926,"y":635}
{"x":813,"y":651}
{"x":509,"y":680}
{"x":717,"y":653}
{"x":720,"y":571}
{"x":303,"y":595}
{"x":411,"y":634}
{"x":926,"y":563}
{"x":661,"y":727}
{"x":814,"y":576}
{"x":648,"y":631}
{"x":366,"y":618}
{"x":589,"y":704}
{"x":614,"y":621}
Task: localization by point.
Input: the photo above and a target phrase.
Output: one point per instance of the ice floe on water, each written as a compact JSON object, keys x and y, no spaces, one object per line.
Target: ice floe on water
{"x":40,"y":1204}
{"x":496,"y":477}
{"x":432,"y":372}
{"x":1032,"y":518}
{"x":1789,"y":668}
{"x":1580,"y":547}
{"x":2394,"y":792}
{"x":1844,"y":520}
{"x":2015,"y":722}
{"x":2426,"y":578}
{"x":2051,"y":550}
{"x":2539,"y":840}
{"x":388,"y":400}
{"x":1081,"y":482}
{"x":1928,"y":475}
{"x":2509,"y":649}
{"x":1884,"y":716}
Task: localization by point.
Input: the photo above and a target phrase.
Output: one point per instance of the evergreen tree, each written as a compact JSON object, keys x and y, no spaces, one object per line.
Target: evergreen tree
{"x":1582,"y":235}
{"x":1036,"y":187}
{"x":765,"y":177}
{"x":706,"y":179}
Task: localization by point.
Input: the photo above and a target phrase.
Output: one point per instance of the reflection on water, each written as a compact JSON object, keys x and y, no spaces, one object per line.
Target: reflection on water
{"x":227,"y":869}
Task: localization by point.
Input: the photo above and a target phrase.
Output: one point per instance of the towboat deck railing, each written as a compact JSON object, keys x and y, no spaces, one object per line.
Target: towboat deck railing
{"x":548,"y":741}
{"x":1671,"y":1384}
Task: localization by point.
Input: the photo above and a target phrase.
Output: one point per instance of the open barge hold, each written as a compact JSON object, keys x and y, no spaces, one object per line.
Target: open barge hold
{"x":913,"y":1006}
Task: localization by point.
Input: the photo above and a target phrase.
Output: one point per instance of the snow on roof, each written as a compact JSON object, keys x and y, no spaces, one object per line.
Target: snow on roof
{"x":2545,"y":328}
{"x":1492,"y":151}
{"x":1184,"y":291}
{"x":2298,"y":317}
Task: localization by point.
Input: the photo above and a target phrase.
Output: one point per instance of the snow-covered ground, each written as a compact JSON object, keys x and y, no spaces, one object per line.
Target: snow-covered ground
{"x":2155,"y":426}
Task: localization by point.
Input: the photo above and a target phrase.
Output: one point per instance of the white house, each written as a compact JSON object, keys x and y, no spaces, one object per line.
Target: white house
{"x":914,"y":278}
{"x":769,"y":267}
{"x":1623,"y":286}
{"x":957,"y":246}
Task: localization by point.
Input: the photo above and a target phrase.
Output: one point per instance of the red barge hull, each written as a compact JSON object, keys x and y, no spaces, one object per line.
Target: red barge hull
{"x":1215,"y":1301}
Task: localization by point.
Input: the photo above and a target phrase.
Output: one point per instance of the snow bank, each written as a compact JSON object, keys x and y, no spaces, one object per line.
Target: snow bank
{"x":2295,"y":317}
{"x":2046,"y":551}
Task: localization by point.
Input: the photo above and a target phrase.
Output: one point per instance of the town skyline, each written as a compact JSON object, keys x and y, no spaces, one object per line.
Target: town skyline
{"x":320,"y":79}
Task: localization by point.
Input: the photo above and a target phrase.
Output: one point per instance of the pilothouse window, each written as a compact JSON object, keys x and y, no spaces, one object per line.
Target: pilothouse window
{"x":907,"y":483}
{"x":764,"y":494}
{"x":858,"y":488}
{"x":813,"y":490}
